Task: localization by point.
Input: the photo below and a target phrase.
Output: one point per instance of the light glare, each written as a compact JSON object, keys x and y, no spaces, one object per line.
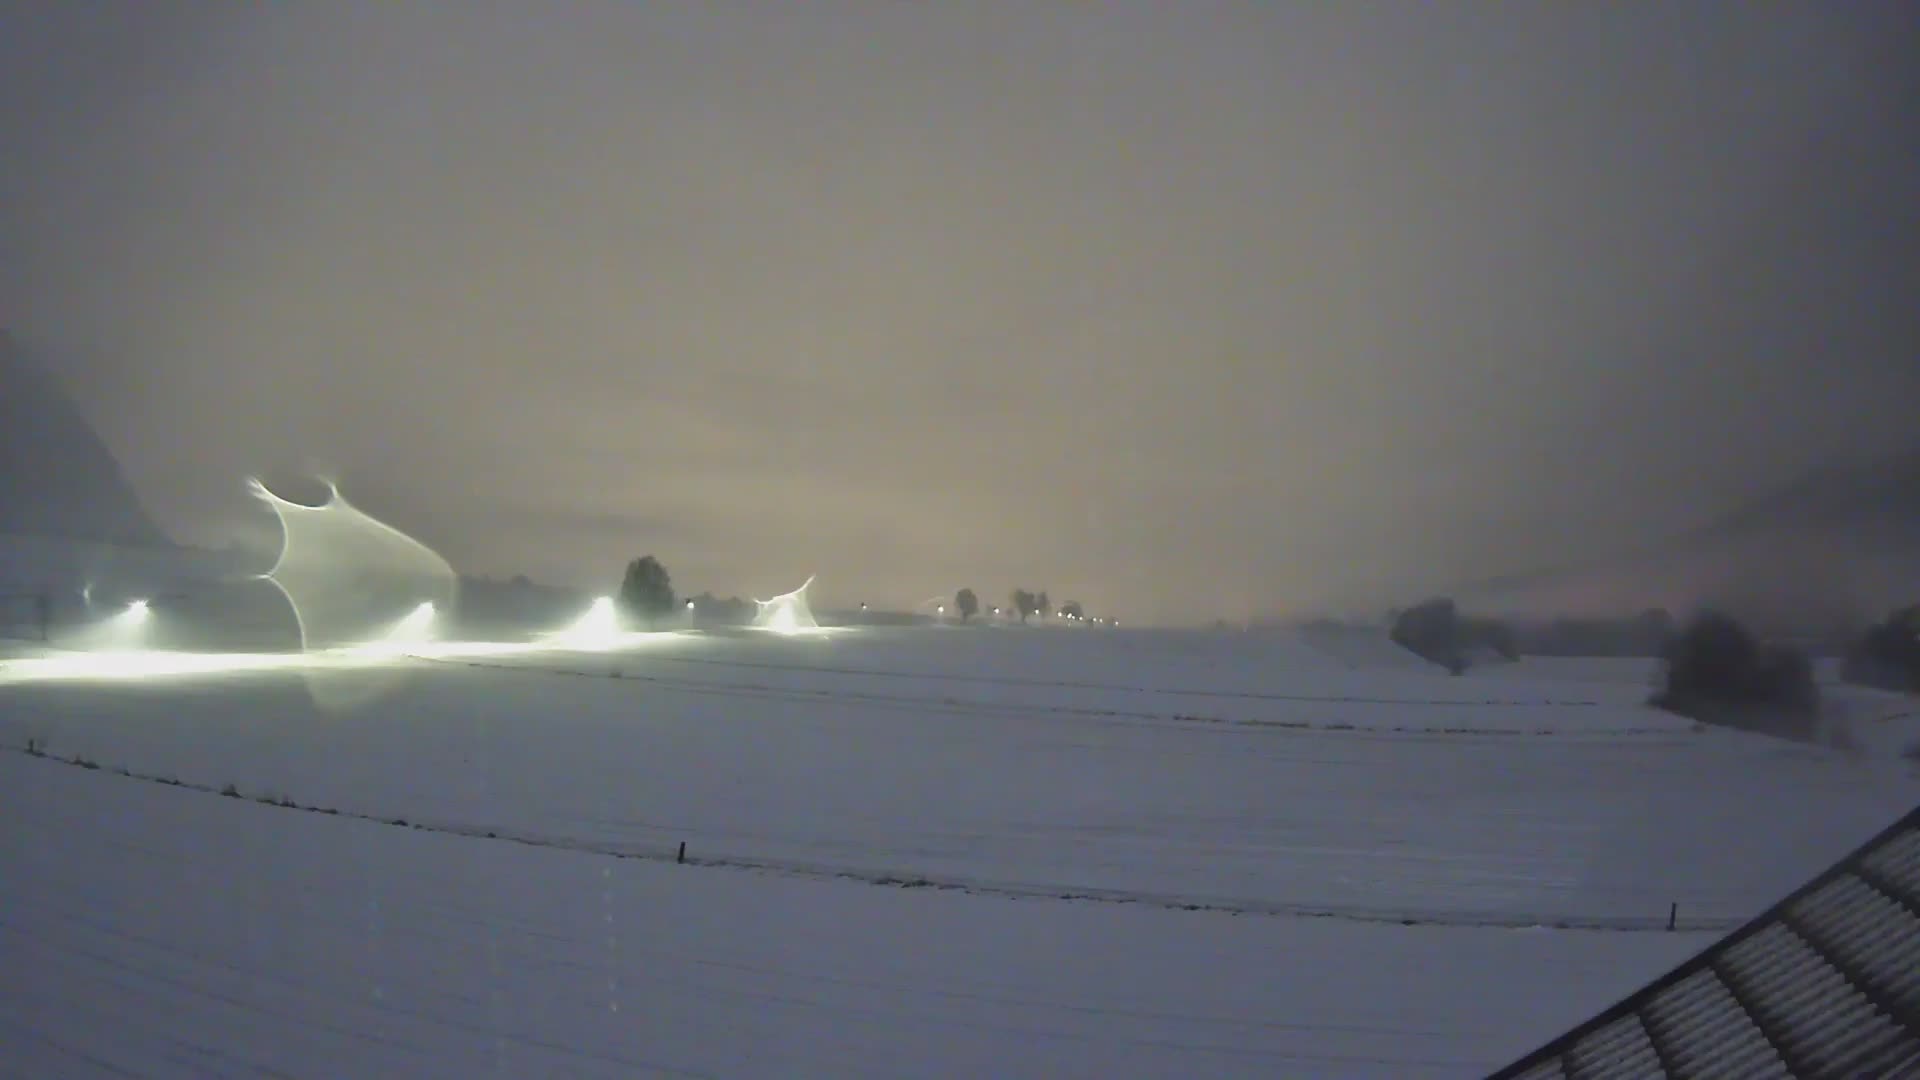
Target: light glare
{"x":599,"y":628}
{"x":120,"y":664}
{"x":413,"y":630}
{"x":787,"y":613}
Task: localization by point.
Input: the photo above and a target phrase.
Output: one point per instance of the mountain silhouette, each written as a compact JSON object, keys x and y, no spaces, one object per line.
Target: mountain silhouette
{"x":1831,"y":550}
{"x":57,"y":478}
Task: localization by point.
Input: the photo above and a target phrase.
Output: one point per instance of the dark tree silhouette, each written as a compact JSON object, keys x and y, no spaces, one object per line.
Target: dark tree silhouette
{"x":1888,"y":655}
{"x":646,"y":593}
{"x":967,"y":604}
{"x":1072,"y":610}
{"x":1024,"y":603}
{"x":1718,"y":672}
{"x":1041,"y":605}
{"x":1431,"y":630}
{"x":708,"y":608}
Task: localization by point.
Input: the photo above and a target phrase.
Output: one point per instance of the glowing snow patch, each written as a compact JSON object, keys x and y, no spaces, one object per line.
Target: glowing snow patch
{"x":332,"y":665}
{"x":787,"y":613}
{"x":133,"y":664}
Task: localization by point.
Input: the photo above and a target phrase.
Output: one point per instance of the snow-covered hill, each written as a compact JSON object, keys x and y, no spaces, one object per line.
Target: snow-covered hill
{"x":1827,"y":552}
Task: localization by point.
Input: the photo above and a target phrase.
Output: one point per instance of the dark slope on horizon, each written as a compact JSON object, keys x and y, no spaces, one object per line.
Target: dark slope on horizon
{"x":1880,"y":497}
{"x":1836,"y":547}
{"x":1833,"y":254}
{"x":57,"y":478}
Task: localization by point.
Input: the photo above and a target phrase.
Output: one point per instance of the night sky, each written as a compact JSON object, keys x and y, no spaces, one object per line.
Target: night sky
{"x":1178,"y":310}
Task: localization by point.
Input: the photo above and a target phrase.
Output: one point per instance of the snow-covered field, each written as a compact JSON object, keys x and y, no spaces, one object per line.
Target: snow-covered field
{"x":914,"y":851}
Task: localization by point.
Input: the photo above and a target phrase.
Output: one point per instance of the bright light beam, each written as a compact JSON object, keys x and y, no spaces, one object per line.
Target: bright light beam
{"x":415,"y":629}
{"x":343,"y":572}
{"x":788,"y":613}
{"x":598,"y":629}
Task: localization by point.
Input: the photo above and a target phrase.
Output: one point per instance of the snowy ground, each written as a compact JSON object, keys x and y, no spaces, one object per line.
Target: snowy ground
{"x":1396,"y":872}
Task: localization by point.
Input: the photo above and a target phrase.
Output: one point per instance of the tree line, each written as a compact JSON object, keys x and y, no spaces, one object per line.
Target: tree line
{"x":1713,"y":669}
{"x":647,"y":596}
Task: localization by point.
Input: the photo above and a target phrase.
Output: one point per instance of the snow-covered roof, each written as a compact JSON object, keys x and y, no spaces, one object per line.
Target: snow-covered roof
{"x":1824,"y":984}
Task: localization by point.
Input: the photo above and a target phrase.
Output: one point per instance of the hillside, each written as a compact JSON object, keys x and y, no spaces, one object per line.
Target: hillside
{"x":57,"y":478}
{"x":1828,"y":551}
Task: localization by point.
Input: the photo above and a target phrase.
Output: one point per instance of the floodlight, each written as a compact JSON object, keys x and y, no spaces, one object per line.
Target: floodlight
{"x":598,"y":628}
{"x":138,"y":610}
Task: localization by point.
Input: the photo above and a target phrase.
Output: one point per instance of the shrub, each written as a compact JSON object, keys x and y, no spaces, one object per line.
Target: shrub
{"x":1888,"y":655}
{"x":1025,"y":603}
{"x":1711,"y":659}
{"x":1718,"y":672}
{"x":1431,"y":630}
{"x":646,"y":593}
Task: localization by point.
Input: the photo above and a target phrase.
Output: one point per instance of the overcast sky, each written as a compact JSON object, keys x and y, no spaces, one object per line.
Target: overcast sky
{"x":1179,"y":310}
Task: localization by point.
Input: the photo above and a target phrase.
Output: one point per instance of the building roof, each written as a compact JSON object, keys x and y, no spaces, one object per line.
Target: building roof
{"x":1825,"y":983}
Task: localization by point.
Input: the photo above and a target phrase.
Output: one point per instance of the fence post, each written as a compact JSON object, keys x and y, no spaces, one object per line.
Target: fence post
{"x":1673,"y":914}
{"x":682,"y":857}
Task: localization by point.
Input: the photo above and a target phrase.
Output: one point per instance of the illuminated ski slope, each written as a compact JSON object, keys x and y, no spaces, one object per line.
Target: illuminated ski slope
{"x":1059,"y":796}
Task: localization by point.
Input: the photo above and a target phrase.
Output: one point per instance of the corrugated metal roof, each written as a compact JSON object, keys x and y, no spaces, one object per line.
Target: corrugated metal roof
{"x":1825,"y":983}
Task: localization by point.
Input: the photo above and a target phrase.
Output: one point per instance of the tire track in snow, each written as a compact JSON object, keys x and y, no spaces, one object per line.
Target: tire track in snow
{"x":959,"y":707}
{"x":1012,"y":890}
{"x":1236,"y":695}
